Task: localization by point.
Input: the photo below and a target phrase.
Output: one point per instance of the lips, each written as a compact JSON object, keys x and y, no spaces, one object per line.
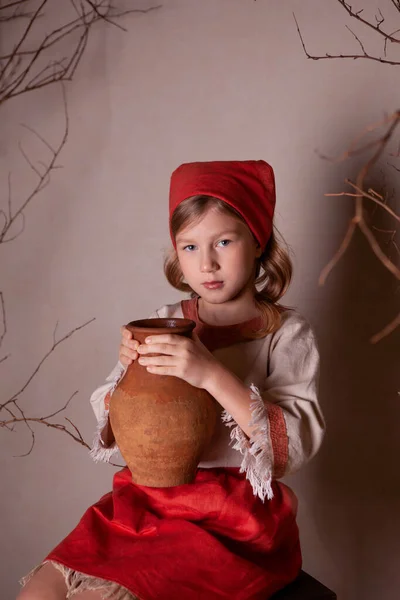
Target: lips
{"x":213,"y":284}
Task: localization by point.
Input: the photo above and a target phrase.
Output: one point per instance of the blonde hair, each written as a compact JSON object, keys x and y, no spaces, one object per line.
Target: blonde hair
{"x":273,"y":268}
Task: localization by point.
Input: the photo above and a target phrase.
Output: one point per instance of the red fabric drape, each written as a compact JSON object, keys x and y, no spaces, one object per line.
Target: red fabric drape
{"x":210,"y":539}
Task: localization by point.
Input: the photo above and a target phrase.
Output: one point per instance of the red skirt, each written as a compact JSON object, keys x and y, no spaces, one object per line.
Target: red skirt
{"x":210,"y":539}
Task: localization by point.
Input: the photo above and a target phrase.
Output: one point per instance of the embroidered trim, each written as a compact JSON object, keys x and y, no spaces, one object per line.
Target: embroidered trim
{"x":77,"y":583}
{"x":279,"y":439}
{"x":257,"y":451}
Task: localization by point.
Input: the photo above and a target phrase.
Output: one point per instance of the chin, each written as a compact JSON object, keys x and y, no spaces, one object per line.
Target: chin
{"x":213,"y":297}
{"x":216,"y":300}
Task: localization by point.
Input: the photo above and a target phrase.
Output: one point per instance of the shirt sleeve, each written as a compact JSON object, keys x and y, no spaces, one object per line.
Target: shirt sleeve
{"x":287,"y":422}
{"x":99,"y":401}
{"x":100,"y":397}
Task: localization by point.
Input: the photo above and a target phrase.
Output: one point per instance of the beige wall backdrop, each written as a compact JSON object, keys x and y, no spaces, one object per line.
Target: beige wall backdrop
{"x":199,"y":80}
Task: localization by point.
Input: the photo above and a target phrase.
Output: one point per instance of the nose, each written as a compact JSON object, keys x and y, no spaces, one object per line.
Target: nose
{"x":208,"y":264}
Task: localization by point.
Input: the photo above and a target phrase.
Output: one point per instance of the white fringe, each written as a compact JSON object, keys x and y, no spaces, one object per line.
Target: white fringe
{"x":257,"y":451}
{"x":98,"y":452}
{"x":77,"y":583}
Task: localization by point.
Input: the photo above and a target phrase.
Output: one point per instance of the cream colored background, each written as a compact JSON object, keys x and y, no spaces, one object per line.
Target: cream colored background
{"x":200,"y":80}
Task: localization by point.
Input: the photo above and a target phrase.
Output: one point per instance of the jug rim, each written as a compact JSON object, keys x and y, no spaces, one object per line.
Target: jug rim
{"x":163,"y":325}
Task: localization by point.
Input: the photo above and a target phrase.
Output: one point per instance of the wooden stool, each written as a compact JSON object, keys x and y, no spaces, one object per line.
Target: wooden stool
{"x":305,"y":587}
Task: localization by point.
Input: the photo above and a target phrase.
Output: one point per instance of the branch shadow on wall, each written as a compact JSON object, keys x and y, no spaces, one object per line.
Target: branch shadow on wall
{"x":355,"y":476}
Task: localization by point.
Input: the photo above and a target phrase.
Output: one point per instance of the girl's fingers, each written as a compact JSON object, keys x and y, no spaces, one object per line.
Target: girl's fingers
{"x":168,"y":338}
{"x":128,"y":348}
{"x":127,"y":339}
{"x":128,"y":353}
{"x":159,"y":361}
{"x":161,"y":370}
{"x":159,"y":349}
{"x":127,"y":336}
{"x":125,"y":361}
{"x":130,"y":344}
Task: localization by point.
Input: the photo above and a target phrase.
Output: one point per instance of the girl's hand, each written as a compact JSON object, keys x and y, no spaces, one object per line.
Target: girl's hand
{"x":128,"y":348}
{"x":185,"y":358}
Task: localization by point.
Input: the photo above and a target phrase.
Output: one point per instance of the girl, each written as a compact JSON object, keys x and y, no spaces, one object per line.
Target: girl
{"x":231,"y":534}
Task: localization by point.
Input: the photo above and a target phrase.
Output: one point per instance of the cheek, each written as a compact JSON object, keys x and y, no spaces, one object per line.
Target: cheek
{"x":242,"y":257}
{"x":243,"y":264}
{"x":184,"y":263}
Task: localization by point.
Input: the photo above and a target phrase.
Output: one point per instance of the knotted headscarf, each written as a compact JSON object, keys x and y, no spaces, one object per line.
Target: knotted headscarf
{"x":248,"y":186}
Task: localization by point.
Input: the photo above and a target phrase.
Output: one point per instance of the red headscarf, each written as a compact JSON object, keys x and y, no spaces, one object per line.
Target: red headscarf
{"x":248,"y":186}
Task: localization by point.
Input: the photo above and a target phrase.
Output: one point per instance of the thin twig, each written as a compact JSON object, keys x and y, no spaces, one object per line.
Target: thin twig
{"x":59,"y":426}
{"x":15,"y":3}
{"x":43,"y":177}
{"x":360,"y":193}
{"x":57,"y":412}
{"x":3,"y":319}
{"x":388,"y":37}
{"x":377,"y":250}
{"x":45,"y":357}
{"x":390,"y":327}
{"x":376,"y":27}
{"x":342,"y":249}
{"x":355,"y":148}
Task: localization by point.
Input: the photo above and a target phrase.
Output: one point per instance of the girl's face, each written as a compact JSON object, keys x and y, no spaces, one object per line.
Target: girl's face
{"x":218,"y":248}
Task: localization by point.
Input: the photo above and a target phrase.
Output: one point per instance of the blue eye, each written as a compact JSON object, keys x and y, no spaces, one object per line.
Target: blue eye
{"x":192,"y":247}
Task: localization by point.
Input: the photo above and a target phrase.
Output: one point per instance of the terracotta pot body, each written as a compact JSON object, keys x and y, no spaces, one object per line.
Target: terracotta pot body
{"x":161,"y":423}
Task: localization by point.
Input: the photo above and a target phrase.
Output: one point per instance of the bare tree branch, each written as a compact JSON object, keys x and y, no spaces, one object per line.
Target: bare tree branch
{"x":342,"y":249}
{"x":15,"y":396}
{"x":388,"y":37}
{"x":26,"y":67}
{"x":78,"y":438}
{"x":358,"y":220}
{"x":20,"y":69}
{"x":360,"y":193}
{"x":45,"y":420}
{"x":376,"y":27}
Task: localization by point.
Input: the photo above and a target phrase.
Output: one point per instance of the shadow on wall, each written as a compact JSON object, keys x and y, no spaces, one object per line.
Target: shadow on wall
{"x":357,"y":484}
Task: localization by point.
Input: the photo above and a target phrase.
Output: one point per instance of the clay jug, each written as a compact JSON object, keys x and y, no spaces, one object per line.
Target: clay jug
{"x":161,"y":423}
